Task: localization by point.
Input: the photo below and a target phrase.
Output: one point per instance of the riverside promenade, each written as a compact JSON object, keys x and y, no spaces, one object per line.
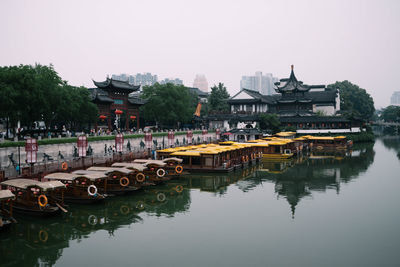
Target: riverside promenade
{"x":101,"y":150}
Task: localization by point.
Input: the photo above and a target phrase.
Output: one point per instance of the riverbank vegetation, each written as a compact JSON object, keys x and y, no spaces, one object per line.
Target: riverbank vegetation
{"x":29,"y":94}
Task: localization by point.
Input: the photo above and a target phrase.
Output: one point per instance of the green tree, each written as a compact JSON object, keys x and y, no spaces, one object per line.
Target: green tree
{"x":269,"y":121}
{"x":354,"y":101}
{"x":218,"y":99}
{"x":391,"y":114}
{"x":168,"y":104}
{"x":37,"y":93}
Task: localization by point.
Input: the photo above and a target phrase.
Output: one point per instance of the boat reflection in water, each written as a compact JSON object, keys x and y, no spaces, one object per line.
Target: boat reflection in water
{"x":36,"y":242}
{"x":298,"y":178}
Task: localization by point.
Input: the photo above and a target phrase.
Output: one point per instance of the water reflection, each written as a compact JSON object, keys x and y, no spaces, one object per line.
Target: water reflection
{"x":299,"y":177}
{"x":37,"y":242}
{"x":392,"y":143}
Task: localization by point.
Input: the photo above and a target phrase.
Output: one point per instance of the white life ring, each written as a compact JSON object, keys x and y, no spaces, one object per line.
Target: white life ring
{"x":90,"y":191}
{"x":160,"y":172}
{"x":92,"y":219}
{"x":161,"y":197}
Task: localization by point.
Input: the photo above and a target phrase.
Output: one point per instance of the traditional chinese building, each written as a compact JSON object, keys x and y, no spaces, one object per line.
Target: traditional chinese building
{"x":308,"y":108}
{"x":112,"y":95}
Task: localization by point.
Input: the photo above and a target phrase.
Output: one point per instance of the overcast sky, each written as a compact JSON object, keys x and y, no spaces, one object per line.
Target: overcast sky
{"x":327,"y":41}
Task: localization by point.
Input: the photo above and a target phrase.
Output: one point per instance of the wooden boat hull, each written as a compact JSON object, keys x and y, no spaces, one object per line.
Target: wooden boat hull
{"x":277,"y":156}
{"x":46,"y":212}
{"x":5,"y":225}
{"x":207,"y":170}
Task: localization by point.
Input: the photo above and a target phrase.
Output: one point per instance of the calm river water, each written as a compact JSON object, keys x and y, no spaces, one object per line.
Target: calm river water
{"x":321,"y":211}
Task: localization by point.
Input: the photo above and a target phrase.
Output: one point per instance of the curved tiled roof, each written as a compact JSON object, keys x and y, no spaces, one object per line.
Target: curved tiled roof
{"x":116,"y":84}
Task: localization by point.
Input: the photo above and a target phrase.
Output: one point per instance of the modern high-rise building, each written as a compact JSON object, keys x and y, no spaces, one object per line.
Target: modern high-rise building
{"x":175,"y":81}
{"x":138,"y":79}
{"x":201,"y":82}
{"x":264,"y":84}
{"x":395,"y":99}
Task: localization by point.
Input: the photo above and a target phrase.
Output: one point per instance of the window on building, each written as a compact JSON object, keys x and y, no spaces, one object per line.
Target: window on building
{"x":118,"y":101}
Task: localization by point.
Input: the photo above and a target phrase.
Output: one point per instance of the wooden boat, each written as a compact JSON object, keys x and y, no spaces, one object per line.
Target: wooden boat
{"x":211,"y":160}
{"x":36,"y":198}
{"x":173,"y":165}
{"x":328,"y":142}
{"x":119,"y":181}
{"x":152,"y":172}
{"x":6,"y":215}
{"x":275,"y":148}
{"x":80,"y":188}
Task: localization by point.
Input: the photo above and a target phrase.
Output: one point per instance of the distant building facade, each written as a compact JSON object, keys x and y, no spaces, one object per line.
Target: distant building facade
{"x":138,"y":79}
{"x":264,"y":84}
{"x":201,"y":82}
{"x":111,"y":95}
{"x":308,"y":108}
{"x":395,"y":99}
{"x":175,"y":81}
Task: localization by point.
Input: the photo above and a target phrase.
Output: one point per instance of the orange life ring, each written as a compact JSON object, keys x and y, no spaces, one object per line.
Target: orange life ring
{"x":140,"y":177}
{"x":43,"y":236}
{"x":124,"y":181}
{"x":64,"y":166}
{"x":179,"y":188}
{"x":44,"y":202}
{"x":179,"y":169}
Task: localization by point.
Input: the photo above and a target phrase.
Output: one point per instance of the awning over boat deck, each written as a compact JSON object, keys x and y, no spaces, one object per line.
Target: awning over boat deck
{"x":147,"y":162}
{"x":72,"y":176}
{"x":192,"y":153}
{"x":51,"y":185}
{"x":173,"y":159}
{"x":61,"y":176}
{"x":91,"y":175}
{"x":108,"y":170}
{"x":6,"y":194}
{"x":127,"y":165}
{"x":26,"y":183}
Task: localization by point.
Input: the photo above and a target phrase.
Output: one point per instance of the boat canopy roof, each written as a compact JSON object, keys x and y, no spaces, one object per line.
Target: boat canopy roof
{"x":26,"y":183}
{"x":137,"y":166}
{"x":285,"y":134}
{"x":90,"y":174}
{"x":77,"y":174}
{"x":178,"y":160}
{"x":6,"y":194}
{"x":191,"y":153}
{"x":108,"y":170}
{"x":147,"y":162}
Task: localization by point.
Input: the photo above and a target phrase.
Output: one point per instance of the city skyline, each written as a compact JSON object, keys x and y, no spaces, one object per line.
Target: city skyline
{"x":326,"y":41}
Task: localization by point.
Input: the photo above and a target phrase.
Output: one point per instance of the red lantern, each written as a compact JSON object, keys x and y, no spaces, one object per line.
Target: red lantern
{"x":132,"y":117}
{"x":102,"y":117}
{"x":118,"y":112}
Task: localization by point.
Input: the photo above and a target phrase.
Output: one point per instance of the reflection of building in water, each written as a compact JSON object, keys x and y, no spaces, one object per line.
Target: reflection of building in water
{"x":320,"y":172}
